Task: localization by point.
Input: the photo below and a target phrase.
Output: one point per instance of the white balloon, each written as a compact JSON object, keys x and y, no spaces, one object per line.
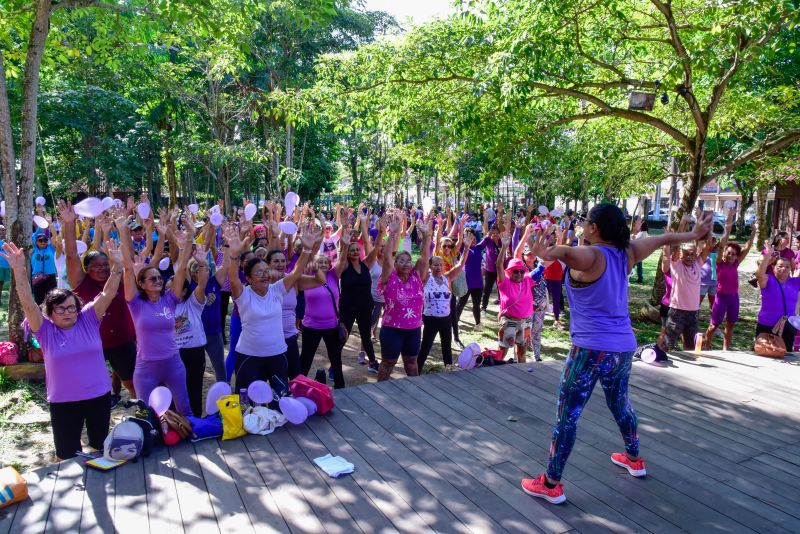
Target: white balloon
{"x":216,"y":219}
{"x":250,"y":211}
{"x":648,"y":355}
{"x":261,"y":203}
{"x":117,"y":203}
{"x":108,"y":203}
{"x":143,"y":210}
{"x":543,"y":210}
{"x":81,"y":247}
{"x":214,"y":209}
{"x":2,"y":208}
{"x":40,"y":201}
{"x":194,"y":208}
{"x":288,"y":227}
{"x":89,"y":207}
{"x":40,"y":221}
{"x":558,"y":212}
{"x":427,"y":205}
{"x":164,"y":263}
{"x":729,"y":204}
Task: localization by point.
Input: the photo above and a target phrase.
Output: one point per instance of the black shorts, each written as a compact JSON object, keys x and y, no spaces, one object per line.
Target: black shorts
{"x":122,"y":359}
{"x":664,"y":312}
{"x":397,"y":341}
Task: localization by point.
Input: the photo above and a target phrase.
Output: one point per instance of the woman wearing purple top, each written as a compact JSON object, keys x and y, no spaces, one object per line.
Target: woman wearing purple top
{"x":779,"y":292}
{"x":472,"y":270}
{"x":153,"y":312}
{"x":602,"y":337}
{"x":69,"y":332}
{"x":490,"y":243}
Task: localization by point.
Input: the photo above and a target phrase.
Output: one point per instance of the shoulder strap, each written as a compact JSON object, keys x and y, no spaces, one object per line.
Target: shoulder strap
{"x":783,"y":296}
{"x":333,"y":300}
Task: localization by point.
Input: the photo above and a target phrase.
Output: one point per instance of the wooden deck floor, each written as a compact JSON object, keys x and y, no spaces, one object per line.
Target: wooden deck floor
{"x":721,"y":436}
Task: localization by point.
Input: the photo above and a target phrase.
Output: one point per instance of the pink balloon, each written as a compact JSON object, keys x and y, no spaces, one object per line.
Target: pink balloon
{"x":215,"y":392}
{"x":311,"y":406}
{"x":160,"y":399}
{"x":294,"y":410}
{"x":259,"y":391}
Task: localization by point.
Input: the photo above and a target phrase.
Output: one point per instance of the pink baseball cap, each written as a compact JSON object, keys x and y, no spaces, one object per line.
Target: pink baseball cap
{"x":516,"y":265}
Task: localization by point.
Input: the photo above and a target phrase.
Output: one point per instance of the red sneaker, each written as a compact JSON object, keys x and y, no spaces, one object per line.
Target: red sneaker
{"x":536,"y":488}
{"x":636,"y":468}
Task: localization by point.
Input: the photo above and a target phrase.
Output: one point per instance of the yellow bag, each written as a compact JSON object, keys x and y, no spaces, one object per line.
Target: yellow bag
{"x":231,"y":413}
{"x":13,"y":488}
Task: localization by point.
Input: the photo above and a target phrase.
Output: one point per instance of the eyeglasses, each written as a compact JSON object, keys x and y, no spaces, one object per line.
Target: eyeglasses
{"x":41,"y":240}
{"x":447,"y":246}
{"x":61,"y":310}
{"x":260,"y":274}
{"x":154,"y":278}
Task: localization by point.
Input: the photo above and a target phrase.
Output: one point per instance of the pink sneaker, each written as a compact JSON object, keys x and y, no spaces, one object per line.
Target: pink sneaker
{"x":636,"y":468}
{"x":537,"y":488}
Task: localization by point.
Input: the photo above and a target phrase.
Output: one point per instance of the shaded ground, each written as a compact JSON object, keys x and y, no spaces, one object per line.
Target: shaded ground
{"x":26,"y":441}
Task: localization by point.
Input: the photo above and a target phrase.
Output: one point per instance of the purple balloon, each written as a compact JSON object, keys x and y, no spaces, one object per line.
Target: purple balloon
{"x":259,"y":391}
{"x":215,"y":392}
{"x":160,"y":399}
{"x":311,"y":406}
{"x":294,"y":410}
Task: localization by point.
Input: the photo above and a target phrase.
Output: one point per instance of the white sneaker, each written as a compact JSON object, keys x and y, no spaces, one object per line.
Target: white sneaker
{"x":719,"y":333}
{"x":478,"y":327}
{"x":362,"y":358}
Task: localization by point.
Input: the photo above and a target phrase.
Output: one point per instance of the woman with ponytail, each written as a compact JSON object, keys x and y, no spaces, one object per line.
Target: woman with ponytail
{"x":602,"y":337}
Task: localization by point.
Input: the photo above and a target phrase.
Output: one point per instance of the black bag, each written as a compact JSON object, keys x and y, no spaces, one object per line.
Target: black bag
{"x":344,"y":333}
{"x":149,"y":423}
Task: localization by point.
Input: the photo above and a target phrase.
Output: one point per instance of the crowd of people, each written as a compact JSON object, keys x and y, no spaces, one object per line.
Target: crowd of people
{"x":150,"y":296}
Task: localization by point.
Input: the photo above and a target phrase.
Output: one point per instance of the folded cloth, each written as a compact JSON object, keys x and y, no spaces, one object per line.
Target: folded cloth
{"x":262,"y":420}
{"x":334,"y":465}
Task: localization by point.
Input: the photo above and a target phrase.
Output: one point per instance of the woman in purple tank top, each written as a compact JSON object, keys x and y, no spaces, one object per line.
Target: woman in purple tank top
{"x":602,"y":338}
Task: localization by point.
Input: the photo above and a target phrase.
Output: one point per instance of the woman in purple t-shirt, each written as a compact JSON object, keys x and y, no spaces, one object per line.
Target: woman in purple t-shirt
{"x":69,"y":333}
{"x":153,"y":312}
{"x":779,"y":293}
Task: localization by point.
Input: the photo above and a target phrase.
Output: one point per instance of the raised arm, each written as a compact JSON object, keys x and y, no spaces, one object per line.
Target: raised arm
{"x":126,"y":248}
{"x":641,"y":248}
{"x":184,"y":239}
{"x":75,"y":272}
{"x":764,"y":262}
{"x":723,"y":242}
{"x":344,"y":245}
{"x":233,"y":251}
{"x":505,"y":240}
{"x":311,"y":235}
{"x":424,"y":227}
{"x":576,"y":258}
{"x":203,"y":272}
{"x":524,"y":241}
{"x":15,"y":257}
{"x":103,"y":300}
{"x":391,"y":247}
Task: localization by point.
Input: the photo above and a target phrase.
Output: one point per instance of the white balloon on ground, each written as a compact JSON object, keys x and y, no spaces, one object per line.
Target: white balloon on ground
{"x":294,"y":410}
{"x":648,"y":355}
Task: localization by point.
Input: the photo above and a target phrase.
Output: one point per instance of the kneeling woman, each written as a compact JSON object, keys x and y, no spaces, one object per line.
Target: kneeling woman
{"x":78,"y":384}
{"x":152,"y":308}
{"x":401,"y":285}
{"x":779,"y":292}
{"x":261,"y":348}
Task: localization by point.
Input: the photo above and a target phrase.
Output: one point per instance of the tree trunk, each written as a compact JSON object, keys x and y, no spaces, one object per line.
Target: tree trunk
{"x":172,"y":178}
{"x":762,"y":225}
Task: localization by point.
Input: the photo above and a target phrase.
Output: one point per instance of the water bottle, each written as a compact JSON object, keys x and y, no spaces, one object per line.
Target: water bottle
{"x":698,"y":342}
{"x":244,"y":400}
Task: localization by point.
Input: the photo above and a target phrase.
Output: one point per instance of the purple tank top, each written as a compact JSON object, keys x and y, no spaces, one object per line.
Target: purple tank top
{"x":667,"y":289}
{"x":599,"y":316}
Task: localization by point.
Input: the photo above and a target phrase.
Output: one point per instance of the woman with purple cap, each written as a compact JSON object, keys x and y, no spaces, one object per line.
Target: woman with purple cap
{"x":602,"y":337}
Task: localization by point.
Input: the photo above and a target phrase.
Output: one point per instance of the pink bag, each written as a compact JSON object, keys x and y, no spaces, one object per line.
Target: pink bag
{"x":320,"y":394}
{"x":9,"y":355}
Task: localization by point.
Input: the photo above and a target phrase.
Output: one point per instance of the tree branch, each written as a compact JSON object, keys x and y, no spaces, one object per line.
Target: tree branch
{"x":767,"y":147}
{"x":84,"y":4}
{"x":559,"y":122}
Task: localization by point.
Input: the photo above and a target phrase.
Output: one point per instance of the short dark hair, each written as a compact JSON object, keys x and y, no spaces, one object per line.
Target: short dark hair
{"x":56,"y":296}
{"x":91,"y":256}
{"x":272,"y":252}
{"x":140,"y":280}
{"x":252,"y":262}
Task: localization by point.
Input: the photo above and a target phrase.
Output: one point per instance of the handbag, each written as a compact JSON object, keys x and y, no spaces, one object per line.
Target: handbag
{"x":320,"y":394}
{"x":344,"y":333}
{"x":459,"y":285}
{"x":770,"y":344}
{"x":39,"y":277}
{"x":13,"y":488}
{"x":232,"y":420}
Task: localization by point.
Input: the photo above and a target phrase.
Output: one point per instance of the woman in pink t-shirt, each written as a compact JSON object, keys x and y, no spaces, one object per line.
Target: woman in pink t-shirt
{"x":78,"y":385}
{"x":726,"y":303}
{"x":401,"y":284}
{"x":515,"y":287}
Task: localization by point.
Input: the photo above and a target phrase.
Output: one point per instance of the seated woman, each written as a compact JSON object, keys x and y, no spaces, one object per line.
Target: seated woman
{"x":779,"y":292}
{"x":78,"y":385}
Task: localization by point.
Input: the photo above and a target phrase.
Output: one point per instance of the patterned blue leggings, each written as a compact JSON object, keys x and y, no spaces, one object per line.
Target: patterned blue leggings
{"x":581,"y":372}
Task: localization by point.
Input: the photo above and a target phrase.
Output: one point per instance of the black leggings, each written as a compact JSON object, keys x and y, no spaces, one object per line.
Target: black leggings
{"x":311,"y":338}
{"x":223,"y":311}
{"x":489,"y":281}
{"x":432,"y":326}
{"x":292,"y":356}
{"x":454,"y":316}
{"x":67,"y":419}
{"x":194,"y":359}
{"x":363,"y":317}
{"x":476,"y":304}
{"x":272,"y":369}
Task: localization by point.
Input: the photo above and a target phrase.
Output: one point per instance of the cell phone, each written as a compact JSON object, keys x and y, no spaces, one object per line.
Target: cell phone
{"x":101,"y":464}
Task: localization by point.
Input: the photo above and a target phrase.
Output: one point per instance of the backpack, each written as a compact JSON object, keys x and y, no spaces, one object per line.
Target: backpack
{"x":124,"y":442}
{"x":150,"y":425}
{"x":320,"y":394}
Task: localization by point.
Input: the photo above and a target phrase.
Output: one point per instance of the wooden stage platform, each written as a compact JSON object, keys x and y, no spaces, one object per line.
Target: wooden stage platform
{"x":720,"y":434}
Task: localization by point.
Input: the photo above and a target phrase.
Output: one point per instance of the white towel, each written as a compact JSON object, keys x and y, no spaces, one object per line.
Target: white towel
{"x":334,"y":465}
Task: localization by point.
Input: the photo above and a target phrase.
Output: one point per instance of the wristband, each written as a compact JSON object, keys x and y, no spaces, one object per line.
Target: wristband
{"x":308,"y":251}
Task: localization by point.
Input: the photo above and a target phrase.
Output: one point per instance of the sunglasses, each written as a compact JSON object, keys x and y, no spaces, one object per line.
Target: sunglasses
{"x":518,"y":271}
{"x":154,"y":278}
